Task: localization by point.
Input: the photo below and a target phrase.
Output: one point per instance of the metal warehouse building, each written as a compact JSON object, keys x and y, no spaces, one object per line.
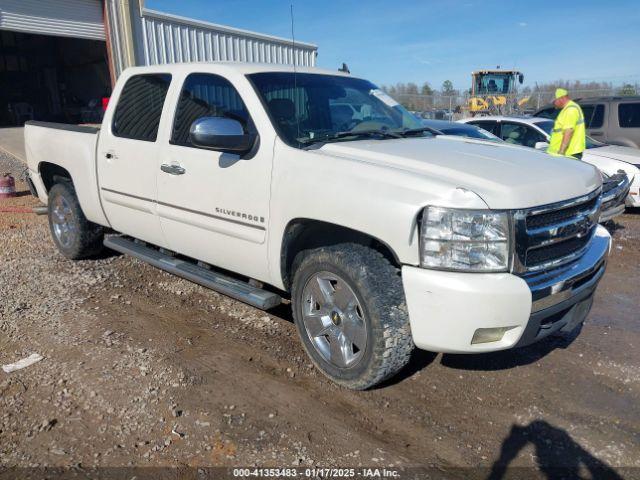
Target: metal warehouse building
{"x":58,"y":58}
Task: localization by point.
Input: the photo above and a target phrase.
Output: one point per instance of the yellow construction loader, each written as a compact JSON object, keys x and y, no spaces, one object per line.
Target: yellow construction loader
{"x":494,"y":91}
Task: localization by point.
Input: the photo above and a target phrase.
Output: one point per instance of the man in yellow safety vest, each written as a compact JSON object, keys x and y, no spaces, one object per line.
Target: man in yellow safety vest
{"x":568,"y":137}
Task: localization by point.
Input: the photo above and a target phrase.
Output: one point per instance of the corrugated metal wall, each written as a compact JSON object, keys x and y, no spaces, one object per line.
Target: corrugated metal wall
{"x":65,"y":18}
{"x":170,"y":39}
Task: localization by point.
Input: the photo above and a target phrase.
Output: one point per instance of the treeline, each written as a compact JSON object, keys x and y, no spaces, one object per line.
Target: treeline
{"x":424,"y":97}
{"x":607,"y":88}
{"x":413,"y":96}
{"x":425,"y":89}
{"x":406,"y":89}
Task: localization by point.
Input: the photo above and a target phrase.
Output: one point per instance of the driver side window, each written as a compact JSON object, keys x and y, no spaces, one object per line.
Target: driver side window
{"x":206,"y":95}
{"x":519,"y":134}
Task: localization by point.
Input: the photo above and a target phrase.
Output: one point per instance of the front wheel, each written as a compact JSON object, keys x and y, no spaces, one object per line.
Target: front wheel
{"x":74,"y":235}
{"x":350,"y":311}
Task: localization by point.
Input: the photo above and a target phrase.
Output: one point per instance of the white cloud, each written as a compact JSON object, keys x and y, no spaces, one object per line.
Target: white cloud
{"x":522,"y":24}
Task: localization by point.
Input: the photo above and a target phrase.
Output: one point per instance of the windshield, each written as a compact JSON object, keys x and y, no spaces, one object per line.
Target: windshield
{"x":547,"y":126}
{"x":470,"y":132}
{"x":493,"y":83}
{"x":307,"y":108}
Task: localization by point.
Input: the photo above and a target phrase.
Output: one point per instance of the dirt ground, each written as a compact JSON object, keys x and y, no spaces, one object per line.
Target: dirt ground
{"x":144,"y":369}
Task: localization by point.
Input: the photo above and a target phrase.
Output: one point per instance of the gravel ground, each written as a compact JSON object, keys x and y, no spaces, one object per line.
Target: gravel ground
{"x":143,"y":369}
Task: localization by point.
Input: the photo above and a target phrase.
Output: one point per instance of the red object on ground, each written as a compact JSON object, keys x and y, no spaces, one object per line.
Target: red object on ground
{"x":7,"y":186}
{"x":16,"y":210}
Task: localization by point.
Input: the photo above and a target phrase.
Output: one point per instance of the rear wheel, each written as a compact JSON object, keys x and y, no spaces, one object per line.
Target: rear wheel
{"x":74,"y":235}
{"x":350,"y":311}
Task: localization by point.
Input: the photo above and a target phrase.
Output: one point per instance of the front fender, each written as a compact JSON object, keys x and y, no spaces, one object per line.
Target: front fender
{"x":382,"y":203}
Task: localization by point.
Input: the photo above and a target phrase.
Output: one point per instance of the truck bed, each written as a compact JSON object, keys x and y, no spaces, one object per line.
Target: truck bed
{"x":70,"y":127}
{"x":50,"y":145}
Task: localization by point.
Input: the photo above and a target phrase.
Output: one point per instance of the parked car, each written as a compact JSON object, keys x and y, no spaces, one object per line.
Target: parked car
{"x":461,"y":130}
{"x":612,"y":120}
{"x":615,"y":188}
{"x":383,"y":236}
{"x":534,"y":132}
{"x":438,"y":114}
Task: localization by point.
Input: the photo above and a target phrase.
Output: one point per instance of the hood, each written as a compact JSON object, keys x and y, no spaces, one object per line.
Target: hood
{"x":504,"y":176}
{"x":624,"y":154}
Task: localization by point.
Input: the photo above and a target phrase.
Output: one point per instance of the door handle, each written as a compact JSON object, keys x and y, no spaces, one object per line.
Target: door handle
{"x":596,"y":134}
{"x":172,"y":169}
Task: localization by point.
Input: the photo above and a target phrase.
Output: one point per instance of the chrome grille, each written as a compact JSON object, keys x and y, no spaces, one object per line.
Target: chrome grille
{"x":557,"y":216}
{"x":553,"y":235}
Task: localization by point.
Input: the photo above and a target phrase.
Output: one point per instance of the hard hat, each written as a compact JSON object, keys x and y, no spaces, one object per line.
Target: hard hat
{"x":561,"y":92}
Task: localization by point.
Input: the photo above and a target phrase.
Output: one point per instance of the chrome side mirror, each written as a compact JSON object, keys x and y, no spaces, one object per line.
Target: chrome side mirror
{"x":222,"y":134}
{"x":541,"y":145}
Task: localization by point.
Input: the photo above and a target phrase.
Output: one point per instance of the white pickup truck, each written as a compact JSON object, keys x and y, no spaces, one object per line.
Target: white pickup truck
{"x":257,"y":182}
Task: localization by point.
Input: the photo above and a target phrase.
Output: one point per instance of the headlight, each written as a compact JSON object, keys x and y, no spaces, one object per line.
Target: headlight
{"x":464,"y":240}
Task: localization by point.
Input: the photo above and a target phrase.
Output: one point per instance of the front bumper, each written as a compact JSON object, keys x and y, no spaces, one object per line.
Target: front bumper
{"x":447,"y":308}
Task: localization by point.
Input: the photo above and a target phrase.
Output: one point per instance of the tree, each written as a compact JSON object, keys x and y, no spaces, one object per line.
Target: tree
{"x":627,"y":90}
{"x":426,"y":89}
{"x":447,"y":88}
{"x":412,"y":89}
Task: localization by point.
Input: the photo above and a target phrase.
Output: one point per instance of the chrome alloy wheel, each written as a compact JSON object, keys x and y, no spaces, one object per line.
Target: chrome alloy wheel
{"x":334,"y":319}
{"x":65,"y":227}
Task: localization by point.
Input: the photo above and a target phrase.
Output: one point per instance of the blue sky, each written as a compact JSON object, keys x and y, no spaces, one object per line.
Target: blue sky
{"x":417,"y":41}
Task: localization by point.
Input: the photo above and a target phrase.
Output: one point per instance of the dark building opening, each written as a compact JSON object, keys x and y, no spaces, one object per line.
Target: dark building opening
{"x":50,"y":78}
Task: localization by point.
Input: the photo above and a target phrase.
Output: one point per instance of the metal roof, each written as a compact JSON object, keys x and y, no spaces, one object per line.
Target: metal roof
{"x":177,"y":19}
{"x":165,"y":38}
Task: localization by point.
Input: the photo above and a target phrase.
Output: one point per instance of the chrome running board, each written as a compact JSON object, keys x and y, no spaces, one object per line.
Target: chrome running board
{"x":195,"y":272}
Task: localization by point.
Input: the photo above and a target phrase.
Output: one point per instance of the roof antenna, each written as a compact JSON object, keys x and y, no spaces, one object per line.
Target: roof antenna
{"x":344,"y":68}
{"x":295,"y":73}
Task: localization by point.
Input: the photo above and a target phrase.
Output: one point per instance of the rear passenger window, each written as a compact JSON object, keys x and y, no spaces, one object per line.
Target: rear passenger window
{"x":550,"y":113}
{"x":593,"y":115}
{"x":206,"y":95}
{"x":139,"y":108}
{"x":629,"y":115}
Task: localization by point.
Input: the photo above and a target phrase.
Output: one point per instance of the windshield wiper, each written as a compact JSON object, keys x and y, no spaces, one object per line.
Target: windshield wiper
{"x":367,"y":133}
{"x":319,"y":141}
{"x":411,"y":131}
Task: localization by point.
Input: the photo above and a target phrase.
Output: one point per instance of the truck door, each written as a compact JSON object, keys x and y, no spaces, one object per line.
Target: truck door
{"x":127,"y":157}
{"x":214,"y":206}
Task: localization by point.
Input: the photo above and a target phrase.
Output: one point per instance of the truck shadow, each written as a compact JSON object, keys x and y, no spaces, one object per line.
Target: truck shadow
{"x":502,"y":360}
{"x":420,"y":359}
{"x":633,"y":210}
{"x":557,"y":454}
{"x":612,"y":227}
{"x":507,"y":359}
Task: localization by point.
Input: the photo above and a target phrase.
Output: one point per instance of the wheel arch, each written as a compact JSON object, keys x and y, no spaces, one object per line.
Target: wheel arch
{"x":306,"y":233}
{"x":51,"y":173}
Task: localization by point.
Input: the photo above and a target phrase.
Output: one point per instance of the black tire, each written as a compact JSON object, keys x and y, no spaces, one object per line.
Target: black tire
{"x":85,"y":239}
{"x":377,"y":285}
